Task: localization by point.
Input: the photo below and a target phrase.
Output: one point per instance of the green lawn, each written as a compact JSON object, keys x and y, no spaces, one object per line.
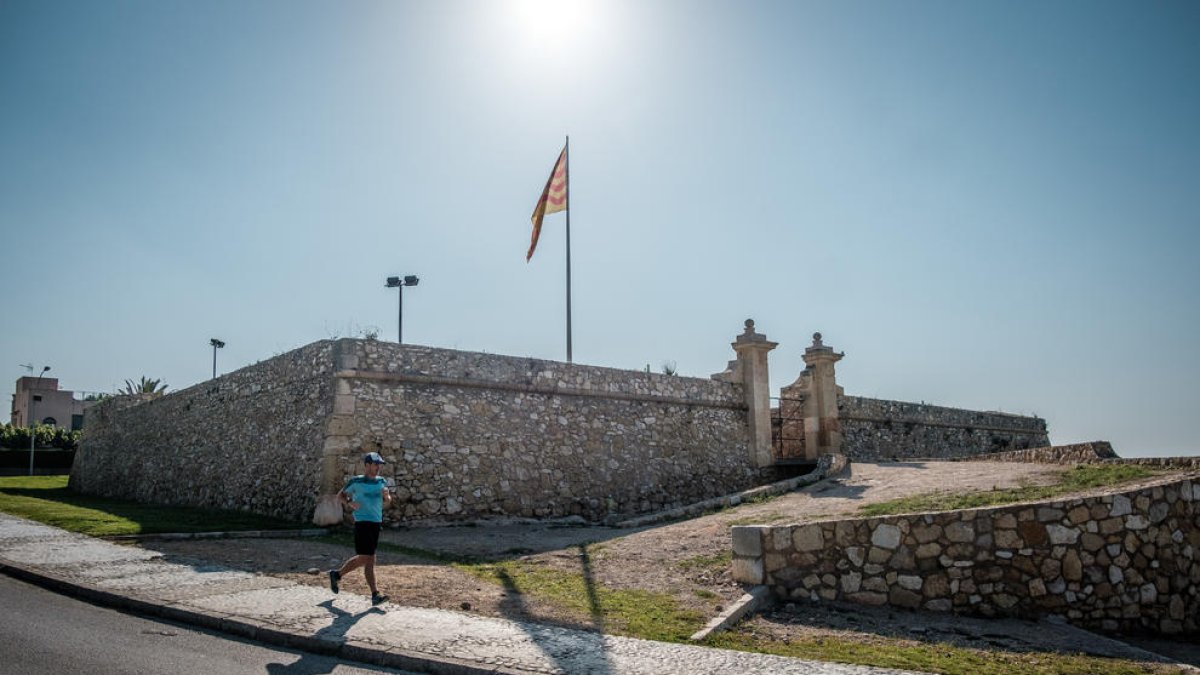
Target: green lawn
{"x":46,"y":499}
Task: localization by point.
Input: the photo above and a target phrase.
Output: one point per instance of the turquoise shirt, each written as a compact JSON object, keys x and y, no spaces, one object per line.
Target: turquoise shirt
{"x":369,"y":495}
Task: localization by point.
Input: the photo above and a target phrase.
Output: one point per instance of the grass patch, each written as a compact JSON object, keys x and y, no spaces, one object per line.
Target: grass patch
{"x":706,"y":594}
{"x":46,"y":499}
{"x":1082,"y":477}
{"x":933,"y":658}
{"x":636,"y":613}
{"x":718,"y":562}
{"x":761,"y":519}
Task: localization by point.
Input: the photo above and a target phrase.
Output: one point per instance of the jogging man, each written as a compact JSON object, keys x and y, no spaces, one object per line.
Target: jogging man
{"x":365,"y":495}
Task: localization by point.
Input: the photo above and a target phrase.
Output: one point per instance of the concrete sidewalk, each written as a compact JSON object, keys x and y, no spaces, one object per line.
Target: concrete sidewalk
{"x":313,"y":619}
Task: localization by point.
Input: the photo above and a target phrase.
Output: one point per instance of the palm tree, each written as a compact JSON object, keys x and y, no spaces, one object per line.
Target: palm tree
{"x":143,"y":386}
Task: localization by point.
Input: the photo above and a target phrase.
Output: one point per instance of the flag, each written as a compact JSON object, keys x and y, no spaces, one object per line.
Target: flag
{"x":553,"y":199}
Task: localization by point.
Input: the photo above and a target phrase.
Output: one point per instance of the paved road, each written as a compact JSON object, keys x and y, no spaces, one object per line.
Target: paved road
{"x":43,"y":633}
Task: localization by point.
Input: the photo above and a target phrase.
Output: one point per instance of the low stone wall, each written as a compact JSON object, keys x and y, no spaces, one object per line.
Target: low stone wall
{"x":470,"y":435}
{"x":1076,"y":453}
{"x":250,"y":440}
{"x":1127,"y":562}
{"x":875,"y":429}
{"x":1094,"y":452}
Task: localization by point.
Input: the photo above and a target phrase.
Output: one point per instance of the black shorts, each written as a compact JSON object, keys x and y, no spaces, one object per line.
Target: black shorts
{"x":366,"y":537}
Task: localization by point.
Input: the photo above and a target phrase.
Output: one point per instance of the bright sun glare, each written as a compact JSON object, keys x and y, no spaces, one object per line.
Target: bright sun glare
{"x":552,"y":23}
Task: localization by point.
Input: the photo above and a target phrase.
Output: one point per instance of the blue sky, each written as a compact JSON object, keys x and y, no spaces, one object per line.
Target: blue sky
{"x":986,"y":205}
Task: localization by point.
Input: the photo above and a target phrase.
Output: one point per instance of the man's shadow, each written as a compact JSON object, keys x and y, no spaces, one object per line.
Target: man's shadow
{"x":335,"y":633}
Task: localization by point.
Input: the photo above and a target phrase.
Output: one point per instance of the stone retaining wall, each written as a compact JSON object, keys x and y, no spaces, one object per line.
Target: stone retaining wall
{"x":875,"y":429}
{"x":1128,"y":561}
{"x":250,"y":440}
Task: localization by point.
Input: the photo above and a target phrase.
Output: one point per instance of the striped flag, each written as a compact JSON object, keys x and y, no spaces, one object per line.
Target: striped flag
{"x":553,"y":199}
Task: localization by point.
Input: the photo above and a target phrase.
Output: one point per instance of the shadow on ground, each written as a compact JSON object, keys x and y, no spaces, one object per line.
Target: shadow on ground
{"x":798,"y":620}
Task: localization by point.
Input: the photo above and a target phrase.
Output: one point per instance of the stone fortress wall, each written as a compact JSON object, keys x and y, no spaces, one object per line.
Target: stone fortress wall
{"x":471,"y":435}
{"x":249,"y":441}
{"x":875,"y":429}
{"x":1127,"y":561}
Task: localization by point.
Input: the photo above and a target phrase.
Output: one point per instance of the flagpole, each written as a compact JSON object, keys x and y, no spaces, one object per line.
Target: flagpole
{"x":567,"y":151}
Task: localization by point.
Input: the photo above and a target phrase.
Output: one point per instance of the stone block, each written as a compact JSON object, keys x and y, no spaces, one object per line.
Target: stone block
{"x":868,"y":598}
{"x":1091,"y":542}
{"x":855,"y":554}
{"x":886,"y":536}
{"x":904,"y":598}
{"x":748,"y":570}
{"x":851,"y":583}
{"x":747,"y":541}
{"x":781,"y":538}
{"x":1078,"y":515}
{"x":930,"y":550}
{"x":1047,"y":514}
{"x":1008,"y":539}
{"x":1060,"y":535}
{"x":960,"y":532}
{"x":1121,"y":506}
{"x":910,"y":582}
{"x":1033,"y":533}
{"x":808,"y":538}
{"x":926,"y":533}
{"x":875,"y":585}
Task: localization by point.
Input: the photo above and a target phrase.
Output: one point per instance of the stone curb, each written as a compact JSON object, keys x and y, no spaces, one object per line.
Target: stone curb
{"x":389,"y":657}
{"x":752,"y":601}
{"x":236,"y":534}
{"x":828,"y":466}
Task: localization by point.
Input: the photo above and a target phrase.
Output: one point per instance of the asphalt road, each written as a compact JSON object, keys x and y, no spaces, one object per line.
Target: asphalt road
{"x":43,"y":633}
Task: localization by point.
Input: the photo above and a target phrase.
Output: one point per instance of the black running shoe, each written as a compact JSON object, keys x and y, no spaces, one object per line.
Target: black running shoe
{"x":333,"y":580}
{"x":378,"y":598}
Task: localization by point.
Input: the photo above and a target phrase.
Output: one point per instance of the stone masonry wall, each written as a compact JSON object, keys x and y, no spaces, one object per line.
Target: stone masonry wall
{"x":1074,"y":453}
{"x":1093,"y":452}
{"x":469,"y":435}
{"x":466,"y":435}
{"x":875,"y":429}
{"x":1127,"y":562}
{"x":250,"y":440}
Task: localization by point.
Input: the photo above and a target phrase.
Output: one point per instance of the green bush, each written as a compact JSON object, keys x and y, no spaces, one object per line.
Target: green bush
{"x":48,"y":436}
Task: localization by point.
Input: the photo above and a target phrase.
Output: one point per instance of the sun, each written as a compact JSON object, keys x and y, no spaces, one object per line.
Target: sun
{"x":552,"y":23}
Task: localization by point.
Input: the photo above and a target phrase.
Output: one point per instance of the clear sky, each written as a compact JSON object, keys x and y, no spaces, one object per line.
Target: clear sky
{"x":987,"y":205}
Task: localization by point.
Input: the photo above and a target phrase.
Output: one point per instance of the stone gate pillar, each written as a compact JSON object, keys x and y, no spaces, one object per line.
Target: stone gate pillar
{"x":750,"y":369}
{"x":822,"y":429}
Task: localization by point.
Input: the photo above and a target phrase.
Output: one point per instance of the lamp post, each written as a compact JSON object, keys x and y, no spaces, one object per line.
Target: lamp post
{"x":216,"y":344}
{"x":33,"y":420}
{"x":397,"y":282}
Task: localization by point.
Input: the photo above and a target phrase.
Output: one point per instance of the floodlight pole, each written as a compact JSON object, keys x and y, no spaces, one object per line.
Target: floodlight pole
{"x":216,"y":344}
{"x":399,"y":284}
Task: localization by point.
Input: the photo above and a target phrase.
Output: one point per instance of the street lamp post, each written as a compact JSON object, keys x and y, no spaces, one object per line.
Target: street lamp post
{"x":397,"y":282}
{"x":216,"y":344}
{"x":33,"y":420}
